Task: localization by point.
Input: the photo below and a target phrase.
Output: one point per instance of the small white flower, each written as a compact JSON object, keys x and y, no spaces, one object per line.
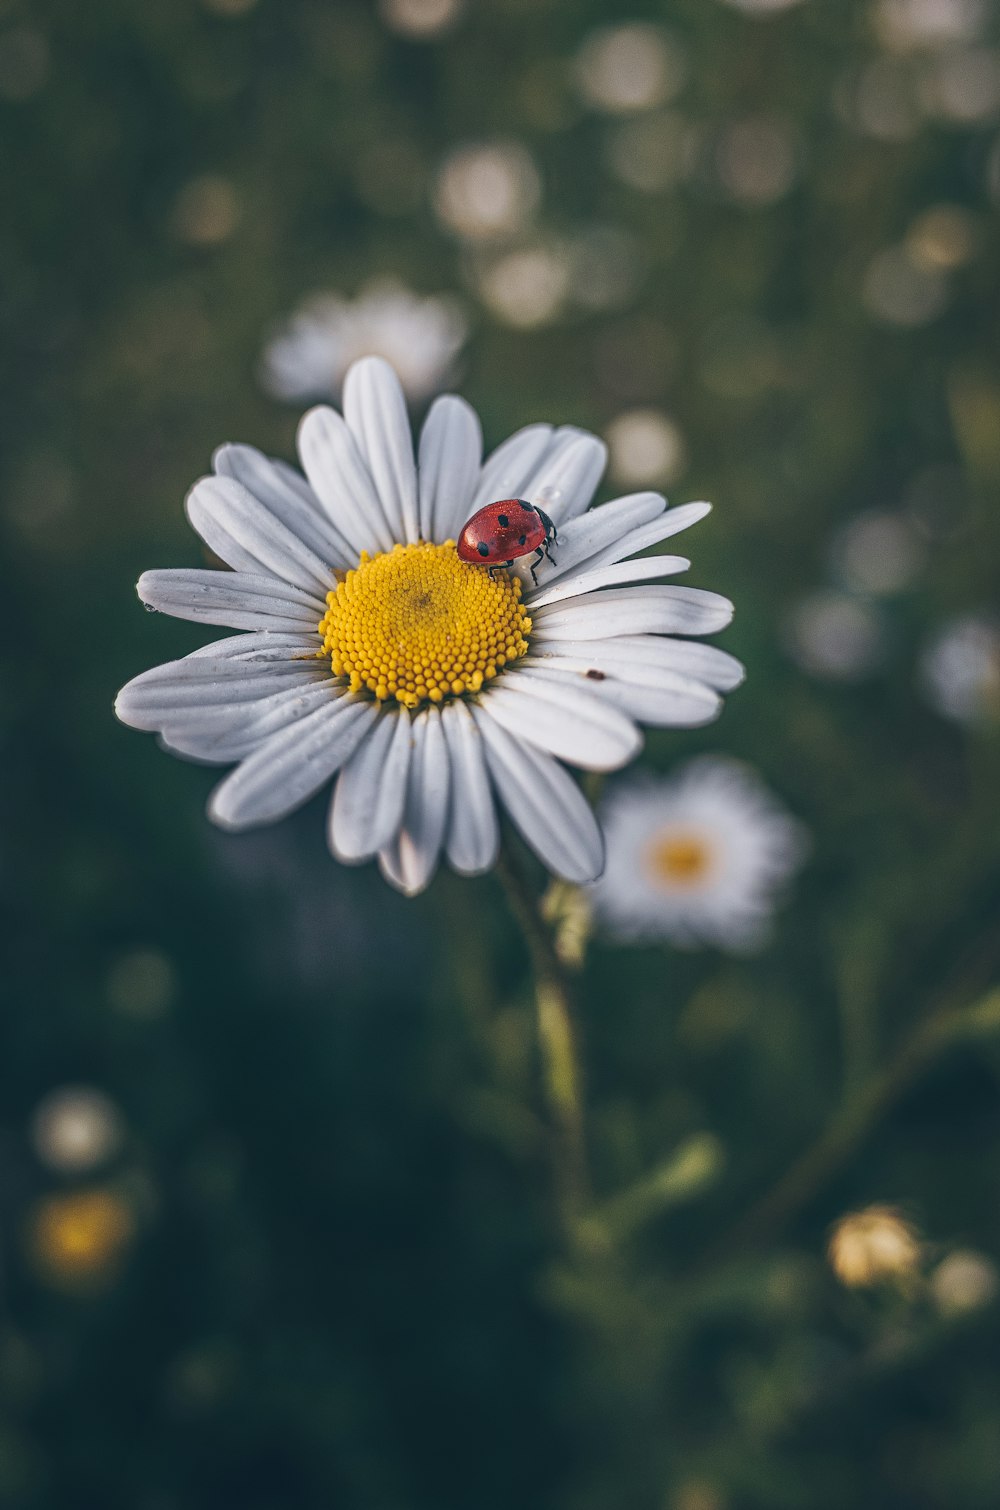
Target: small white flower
{"x":76,"y":1128}
{"x":697,"y":857}
{"x":960,"y":670}
{"x":420,"y":337}
{"x":430,"y":689}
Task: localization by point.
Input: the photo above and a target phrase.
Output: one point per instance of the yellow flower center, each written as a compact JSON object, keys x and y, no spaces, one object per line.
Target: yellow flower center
{"x":679,"y":859}
{"x":418,"y":624}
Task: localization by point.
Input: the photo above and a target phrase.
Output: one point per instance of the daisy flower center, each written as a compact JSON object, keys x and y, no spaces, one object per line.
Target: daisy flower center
{"x":679,"y":859}
{"x":417,"y":624}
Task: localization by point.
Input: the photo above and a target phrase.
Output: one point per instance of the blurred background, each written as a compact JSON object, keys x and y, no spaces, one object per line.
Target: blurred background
{"x":276,"y":1212}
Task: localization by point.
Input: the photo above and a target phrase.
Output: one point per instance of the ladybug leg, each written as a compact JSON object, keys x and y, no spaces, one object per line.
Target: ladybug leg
{"x":544,"y":547}
{"x":534,"y":564}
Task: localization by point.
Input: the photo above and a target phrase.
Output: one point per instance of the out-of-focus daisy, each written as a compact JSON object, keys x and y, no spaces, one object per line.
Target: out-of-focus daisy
{"x":621,"y":69}
{"x":645,"y":447}
{"x":487,"y":191}
{"x":696,"y":858}
{"x":431,"y":689}
{"x":878,"y":553}
{"x":905,"y":25}
{"x":874,"y":1246}
{"x":762,"y":7}
{"x":835,"y":636}
{"x":964,"y":1281}
{"x":960,"y":670}
{"x":76,"y":1127}
{"x":420,"y":19}
{"x":307,"y":357}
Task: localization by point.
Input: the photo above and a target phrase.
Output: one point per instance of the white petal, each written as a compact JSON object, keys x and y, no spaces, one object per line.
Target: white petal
{"x":149,"y":701}
{"x":451,"y":448}
{"x":410,"y":861}
{"x":644,"y":659}
{"x":338,"y":474}
{"x":644,"y":570}
{"x":581,"y":539}
{"x":293,"y":764}
{"x":634,"y":610}
{"x":237,"y":599}
{"x":565,"y":720}
{"x":375,"y":410}
{"x":263,"y":645}
{"x":566,"y":478}
{"x":222,"y":735}
{"x":645,"y":535}
{"x":544,"y":802}
{"x":508,"y":468}
{"x":473,"y":835}
{"x":668,"y":701}
{"x":288,"y":496}
{"x":367,"y":806}
{"x":250,"y":538}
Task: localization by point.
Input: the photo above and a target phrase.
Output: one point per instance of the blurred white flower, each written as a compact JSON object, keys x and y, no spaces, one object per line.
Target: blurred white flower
{"x":910,"y":24}
{"x":696,"y":858}
{"x":755,"y":160}
{"x":943,"y":237}
{"x":75,"y":1128}
{"x":964,"y":1281}
{"x":878,"y":99}
{"x":421,"y":19}
{"x":874,"y":1246}
{"x":963,"y":86}
{"x":878,"y":553}
{"x":645,"y":448}
{"x":308,"y":356}
{"x":430,"y":690}
{"x":526,"y":287}
{"x":635,"y":66}
{"x":762,"y":7}
{"x":487,"y":192}
{"x":898,"y":291}
{"x":834,"y":636}
{"x":960,"y":670}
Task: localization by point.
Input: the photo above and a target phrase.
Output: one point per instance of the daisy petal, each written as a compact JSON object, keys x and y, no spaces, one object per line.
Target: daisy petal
{"x":645,"y":535}
{"x":368,"y":803}
{"x":508,"y":468}
{"x":667,"y":702}
{"x":222,"y":735}
{"x":566,"y":478}
{"x":240,"y":600}
{"x":375,"y":410}
{"x":634,"y":610}
{"x":409,"y":862}
{"x":473,"y":834}
{"x":544,"y":802}
{"x":249,"y":537}
{"x":293,"y":764}
{"x":289,"y":498}
{"x":581,"y":539}
{"x":150,"y":700}
{"x":565,"y":720}
{"x":260,"y":646}
{"x":338,"y":474}
{"x":451,"y":448}
{"x":645,"y":659}
{"x":643,"y":570}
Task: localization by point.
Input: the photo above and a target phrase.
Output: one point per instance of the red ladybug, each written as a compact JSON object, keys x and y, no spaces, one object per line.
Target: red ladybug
{"x":497,"y":534}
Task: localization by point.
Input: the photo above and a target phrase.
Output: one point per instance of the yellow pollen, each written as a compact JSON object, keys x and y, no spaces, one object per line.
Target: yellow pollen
{"x":419,"y":625}
{"x":679,"y":859}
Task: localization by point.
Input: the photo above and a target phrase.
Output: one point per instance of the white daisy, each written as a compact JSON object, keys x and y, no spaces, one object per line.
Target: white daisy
{"x":308,"y":356}
{"x":960,"y":670}
{"x":432,"y":690}
{"x":695,"y":858}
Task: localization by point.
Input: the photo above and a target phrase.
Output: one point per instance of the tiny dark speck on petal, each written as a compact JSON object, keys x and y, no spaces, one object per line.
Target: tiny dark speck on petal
{"x":595,"y":675}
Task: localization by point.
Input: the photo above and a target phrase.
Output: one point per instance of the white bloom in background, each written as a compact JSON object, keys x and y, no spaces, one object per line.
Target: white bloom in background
{"x":76,"y":1128}
{"x":487,"y":191}
{"x":431,"y":690}
{"x":960,"y":670}
{"x":911,"y":24}
{"x":835,"y":636}
{"x":762,"y":7}
{"x":878,"y":553}
{"x":697,"y":857}
{"x":527,"y":287}
{"x":621,"y":69}
{"x":645,"y":446}
{"x":964,"y":1281}
{"x":421,"y":20}
{"x":308,"y":356}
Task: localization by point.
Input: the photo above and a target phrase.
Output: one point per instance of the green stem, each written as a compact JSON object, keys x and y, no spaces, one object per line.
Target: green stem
{"x":557,"y":1041}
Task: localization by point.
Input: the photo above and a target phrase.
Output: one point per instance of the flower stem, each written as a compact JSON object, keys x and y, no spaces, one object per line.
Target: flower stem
{"x":557,"y":1039}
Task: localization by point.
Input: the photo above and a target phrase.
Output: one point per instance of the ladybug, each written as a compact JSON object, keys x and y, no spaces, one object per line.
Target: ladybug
{"x":497,"y":534}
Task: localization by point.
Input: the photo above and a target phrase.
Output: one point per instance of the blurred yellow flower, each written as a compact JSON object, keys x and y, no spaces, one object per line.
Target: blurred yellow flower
{"x":77,"y":1239}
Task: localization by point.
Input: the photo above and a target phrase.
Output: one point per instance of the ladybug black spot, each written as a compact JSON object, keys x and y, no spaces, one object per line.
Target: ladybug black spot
{"x":483,"y":548}
{"x":503,"y":521}
{"x":522,"y":540}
